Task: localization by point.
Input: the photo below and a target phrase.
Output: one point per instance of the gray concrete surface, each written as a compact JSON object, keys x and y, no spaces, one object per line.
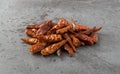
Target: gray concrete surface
{"x":102,"y":58}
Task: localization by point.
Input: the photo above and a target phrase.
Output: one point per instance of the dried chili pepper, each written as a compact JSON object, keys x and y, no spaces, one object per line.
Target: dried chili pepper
{"x":31,"y":32}
{"x":33,"y":26}
{"x":52,"y":48}
{"x":30,"y":40}
{"x":67,"y":37}
{"x":50,"y":37}
{"x":83,"y":37}
{"x":36,"y":48}
{"x":61,"y":23}
{"x":63,"y":30}
{"x":81,"y":28}
{"x":75,"y":41}
{"x":45,"y":27}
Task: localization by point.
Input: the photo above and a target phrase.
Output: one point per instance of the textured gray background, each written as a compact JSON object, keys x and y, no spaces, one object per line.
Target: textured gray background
{"x":102,"y":58}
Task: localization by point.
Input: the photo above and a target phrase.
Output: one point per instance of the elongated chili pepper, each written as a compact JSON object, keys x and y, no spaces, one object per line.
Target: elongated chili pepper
{"x":52,"y":48}
{"x":36,"y":48}
{"x":30,"y":40}
{"x":31,"y":32}
{"x":45,"y":27}
{"x":61,"y":23}
{"x":75,"y":41}
{"x":50,"y":38}
{"x":85,"y":38}
{"x":67,"y":37}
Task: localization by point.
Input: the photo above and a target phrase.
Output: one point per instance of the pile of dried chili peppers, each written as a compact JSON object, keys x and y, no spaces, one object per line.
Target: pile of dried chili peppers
{"x":50,"y":37}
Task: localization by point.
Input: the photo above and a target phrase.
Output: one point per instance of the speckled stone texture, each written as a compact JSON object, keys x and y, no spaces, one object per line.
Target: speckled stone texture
{"x":101,"y":58}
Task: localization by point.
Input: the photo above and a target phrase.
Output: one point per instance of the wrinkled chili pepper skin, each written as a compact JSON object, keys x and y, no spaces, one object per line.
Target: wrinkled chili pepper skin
{"x":52,"y":48}
{"x":45,"y":27}
{"x":63,"y":30}
{"x":67,"y":37}
{"x":61,"y":23}
{"x":50,"y":38}
{"x":30,"y":40}
{"x":85,"y":38}
{"x":75,"y":41}
{"x":81,"y":28}
{"x":31,"y":32}
{"x":36,"y":48}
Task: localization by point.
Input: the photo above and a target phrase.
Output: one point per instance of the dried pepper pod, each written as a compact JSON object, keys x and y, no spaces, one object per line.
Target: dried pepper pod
{"x":33,"y":26}
{"x":52,"y":48}
{"x":63,"y":30}
{"x":81,"y":28}
{"x":31,"y":32}
{"x":36,"y":48}
{"x":83,"y":37}
{"x":61,"y":23}
{"x":67,"y":37}
{"x":30,"y":40}
{"x":45,"y":27}
{"x":69,"y":50}
{"x":97,"y":29}
{"x":75,"y":40}
{"x":50,"y":38}
{"x":94,"y":36}
{"x":70,"y":28}
{"x":90,"y":31}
